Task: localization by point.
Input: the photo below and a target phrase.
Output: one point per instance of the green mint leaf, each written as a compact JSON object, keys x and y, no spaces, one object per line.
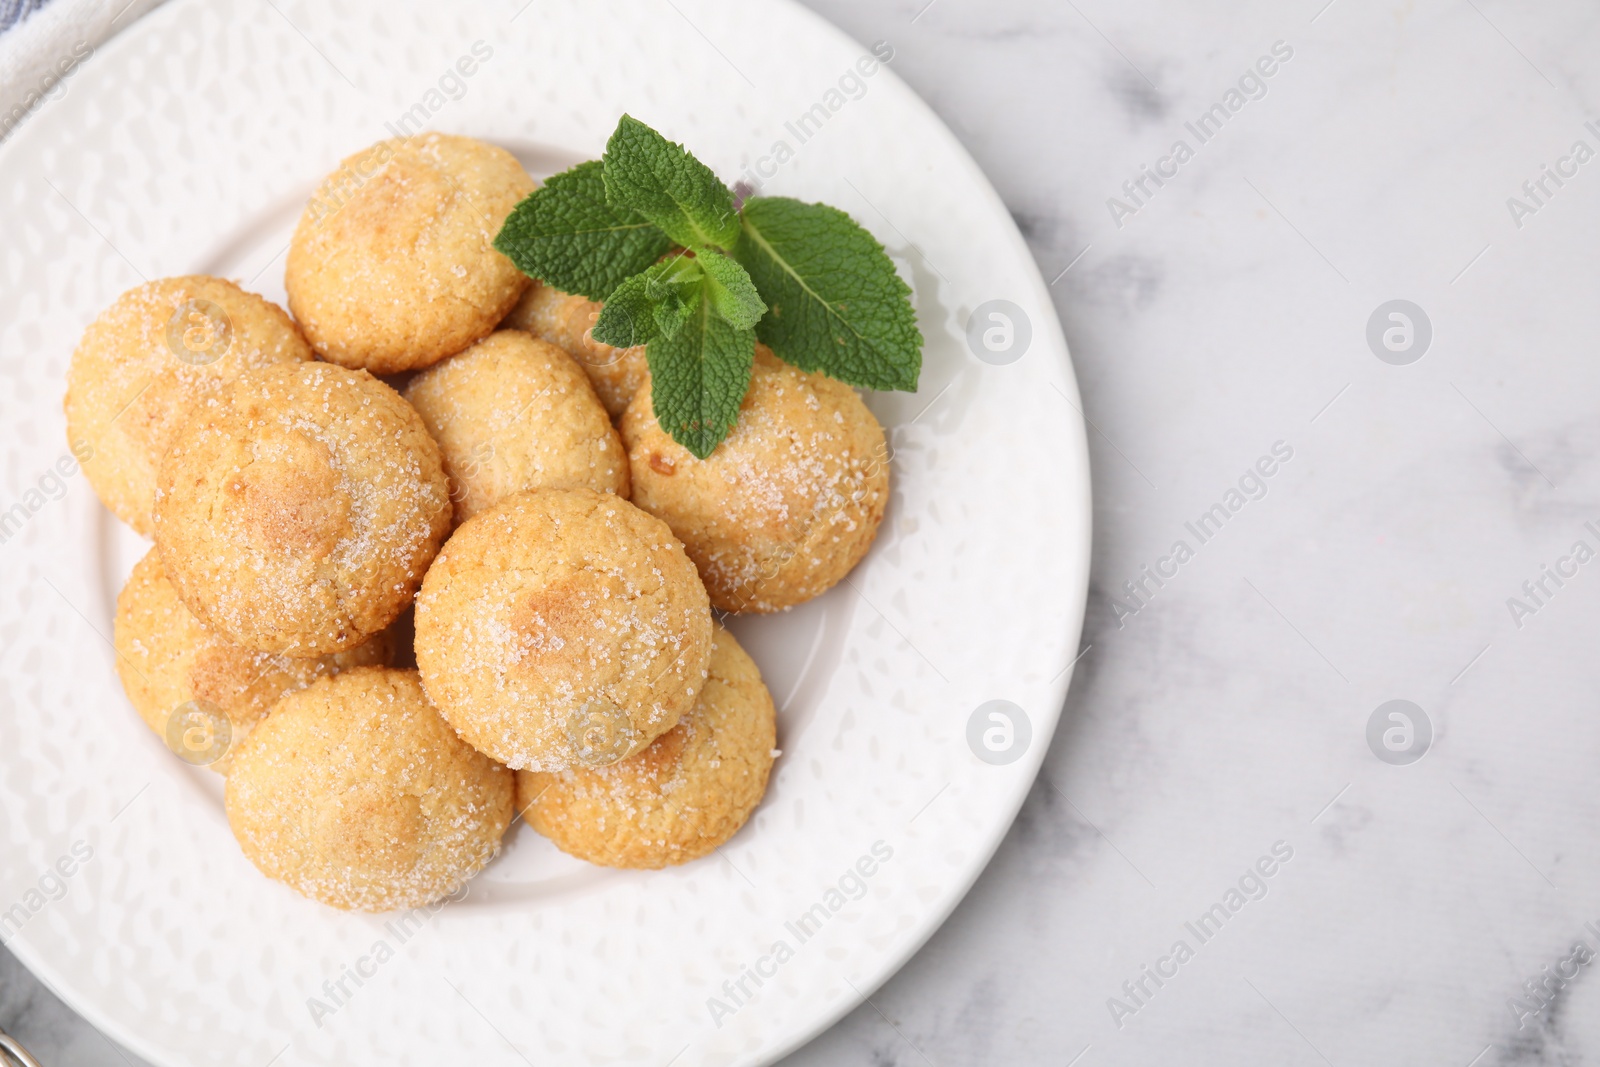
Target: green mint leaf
{"x":836,"y":304}
{"x":671,"y":315}
{"x":698,"y":378}
{"x":652,"y":302}
{"x":729,"y":288}
{"x":660,"y":180}
{"x":567,"y":235}
{"x":628,"y":317}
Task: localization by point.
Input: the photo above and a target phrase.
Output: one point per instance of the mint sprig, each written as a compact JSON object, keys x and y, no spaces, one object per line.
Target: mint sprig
{"x":657,"y":301}
{"x":804,"y":278}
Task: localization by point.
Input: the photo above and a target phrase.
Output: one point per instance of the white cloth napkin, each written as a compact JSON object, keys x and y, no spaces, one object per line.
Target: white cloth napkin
{"x":40,"y":54}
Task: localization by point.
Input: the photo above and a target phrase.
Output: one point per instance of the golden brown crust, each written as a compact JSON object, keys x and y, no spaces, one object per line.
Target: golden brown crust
{"x":786,"y":505}
{"x":174,"y":668}
{"x":568,"y":320}
{"x":393,"y":265}
{"x":356,"y":793}
{"x":161,"y":350}
{"x":299,"y":513}
{"x":514,"y":412}
{"x":562,"y":626}
{"x":679,"y":799}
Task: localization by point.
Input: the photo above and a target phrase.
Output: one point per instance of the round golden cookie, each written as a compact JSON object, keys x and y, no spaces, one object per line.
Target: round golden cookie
{"x":786,"y":505}
{"x":568,"y":321}
{"x":561,"y":627}
{"x":393,"y":264}
{"x":198,"y":691}
{"x":356,"y":793}
{"x":679,"y":799}
{"x":514,"y":412}
{"x":153,"y":356}
{"x":299,"y":513}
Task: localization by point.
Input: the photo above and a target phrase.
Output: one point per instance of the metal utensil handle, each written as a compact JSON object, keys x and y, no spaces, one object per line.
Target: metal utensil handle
{"x":11,"y":1052}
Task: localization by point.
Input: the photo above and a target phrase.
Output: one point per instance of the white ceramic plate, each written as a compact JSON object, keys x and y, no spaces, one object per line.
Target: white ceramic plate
{"x":190,"y":145}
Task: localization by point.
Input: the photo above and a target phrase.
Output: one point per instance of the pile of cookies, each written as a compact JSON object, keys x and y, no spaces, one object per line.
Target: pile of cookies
{"x":499,"y":508}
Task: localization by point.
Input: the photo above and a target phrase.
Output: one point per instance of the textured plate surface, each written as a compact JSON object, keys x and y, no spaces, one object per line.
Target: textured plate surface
{"x":190,"y":144}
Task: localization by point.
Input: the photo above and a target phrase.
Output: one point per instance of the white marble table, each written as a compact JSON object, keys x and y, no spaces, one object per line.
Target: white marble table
{"x":1423,"y":902}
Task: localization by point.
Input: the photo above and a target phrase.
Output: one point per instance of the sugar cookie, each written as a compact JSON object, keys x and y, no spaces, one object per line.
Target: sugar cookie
{"x":356,"y":793}
{"x":196,"y":689}
{"x":512,"y":413}
{"x":679,"y":799}
{"x":568,"y":320}
{"x":147,"y":362}
{"x":393,"y":264}
{"x":562,"y":626}
{"x":299,"y":513}
{"x":786,"y":505}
